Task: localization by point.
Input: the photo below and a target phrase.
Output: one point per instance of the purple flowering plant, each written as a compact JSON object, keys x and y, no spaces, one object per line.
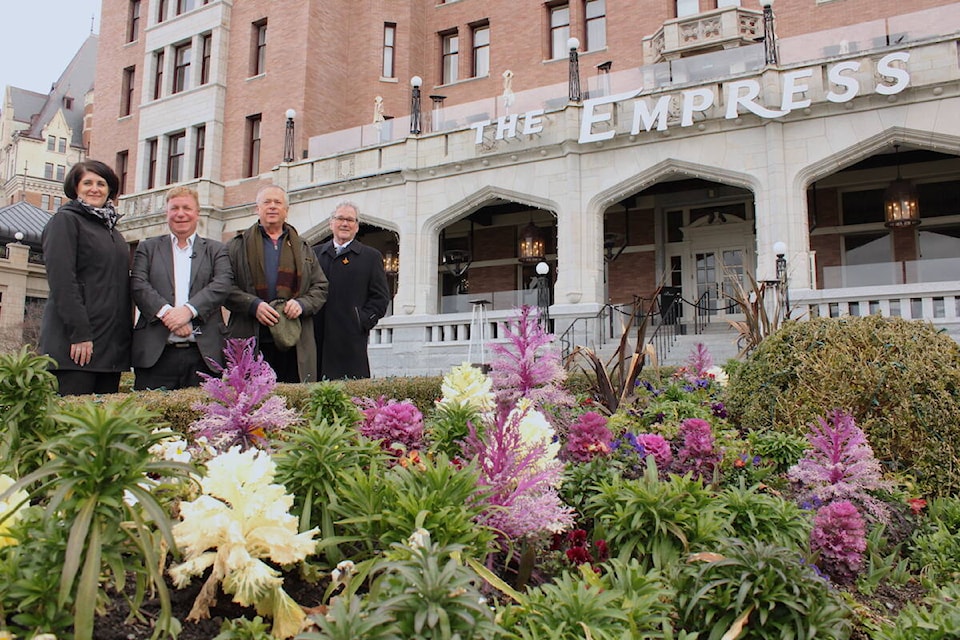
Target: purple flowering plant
{"x":518,"y":480}
{"x":587,"y":438}
{"x":397,"y":425}
{"x":840,"y":465}
{"x":839,"y":540}
{"x":528,"y":365}
{"x":697,"y":454}
{"x":630,"y":452}
{"x":244,"y":410}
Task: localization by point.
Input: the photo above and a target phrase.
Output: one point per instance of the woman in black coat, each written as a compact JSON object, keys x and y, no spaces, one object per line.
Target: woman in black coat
{"x":88,"y":321}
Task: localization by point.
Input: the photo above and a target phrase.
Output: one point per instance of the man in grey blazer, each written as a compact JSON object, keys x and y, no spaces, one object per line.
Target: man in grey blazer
{"x":179,"y":282}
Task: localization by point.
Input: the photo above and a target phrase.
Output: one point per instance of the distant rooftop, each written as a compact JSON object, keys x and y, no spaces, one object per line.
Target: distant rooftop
{"x":25,"y":218}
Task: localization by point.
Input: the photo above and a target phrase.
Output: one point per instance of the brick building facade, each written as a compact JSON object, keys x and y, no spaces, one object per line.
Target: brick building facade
{"x":697,"y":144}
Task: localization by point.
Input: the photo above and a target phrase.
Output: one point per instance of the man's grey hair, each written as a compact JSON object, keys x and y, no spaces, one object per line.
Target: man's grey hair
{"x":346,"y":203}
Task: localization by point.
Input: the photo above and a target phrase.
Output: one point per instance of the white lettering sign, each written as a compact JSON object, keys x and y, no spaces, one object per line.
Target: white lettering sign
{"x":739,"y":96}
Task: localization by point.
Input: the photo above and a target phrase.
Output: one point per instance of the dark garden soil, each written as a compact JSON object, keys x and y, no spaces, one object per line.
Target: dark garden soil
{"x":115,"y":625}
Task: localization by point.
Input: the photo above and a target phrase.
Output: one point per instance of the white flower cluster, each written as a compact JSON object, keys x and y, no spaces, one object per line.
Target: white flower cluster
{"x":467,"y":385}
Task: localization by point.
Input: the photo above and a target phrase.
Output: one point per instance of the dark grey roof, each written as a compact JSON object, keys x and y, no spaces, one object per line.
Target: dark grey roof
{"x":26,"y":103}
{"x":75,"y":81}
{"x":23,"y":217}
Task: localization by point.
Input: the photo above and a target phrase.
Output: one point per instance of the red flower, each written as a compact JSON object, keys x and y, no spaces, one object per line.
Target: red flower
{"x":602,"y":551}
{"x":577,"y":537}
{"x":578,"y":555}
{"x":917,"y":505}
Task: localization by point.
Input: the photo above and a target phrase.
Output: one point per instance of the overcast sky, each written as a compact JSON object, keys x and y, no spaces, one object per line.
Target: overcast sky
{"x":40,"y":37}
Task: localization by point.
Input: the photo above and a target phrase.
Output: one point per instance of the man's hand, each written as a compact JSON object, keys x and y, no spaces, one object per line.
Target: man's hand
{"x":176,"y":318}
{"x":292,"y":309}
{"x":267,"y":315}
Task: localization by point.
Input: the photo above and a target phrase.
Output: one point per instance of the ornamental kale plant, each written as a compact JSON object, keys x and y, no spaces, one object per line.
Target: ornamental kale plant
{"x":697,"y":454}
{"x":840,"y":465}
{"x":397,"y":425}
{"x":630,"y":453}
{"x":243,"y":411}
{"x":519,"y":475}
{"x":528,"y":367}
{"x":587,"y":438}
{"x":839,"y":537}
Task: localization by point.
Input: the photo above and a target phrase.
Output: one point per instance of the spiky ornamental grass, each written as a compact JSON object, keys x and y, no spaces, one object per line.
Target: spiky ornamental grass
{"x":840,"y":465}
{"x":700,"y":360}
{"x":519,"y":476}
{"x":528,"y":366}
{"x":244,"y":410}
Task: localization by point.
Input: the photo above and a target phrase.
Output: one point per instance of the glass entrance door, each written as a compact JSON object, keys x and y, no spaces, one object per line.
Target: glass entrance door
{"x":716,"y":274}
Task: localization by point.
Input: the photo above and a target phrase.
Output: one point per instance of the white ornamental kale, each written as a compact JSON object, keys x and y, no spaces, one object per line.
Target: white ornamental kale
{"x":241,"y":519}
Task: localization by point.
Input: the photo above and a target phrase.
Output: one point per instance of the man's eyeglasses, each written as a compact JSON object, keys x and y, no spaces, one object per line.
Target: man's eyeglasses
{"x":344,"y":219}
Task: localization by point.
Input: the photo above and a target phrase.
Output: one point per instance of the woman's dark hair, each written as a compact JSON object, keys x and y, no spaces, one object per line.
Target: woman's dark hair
{"x":93,"y":166}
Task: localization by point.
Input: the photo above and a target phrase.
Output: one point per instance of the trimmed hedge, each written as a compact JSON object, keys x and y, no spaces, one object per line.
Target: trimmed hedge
{"x":900,"y":380}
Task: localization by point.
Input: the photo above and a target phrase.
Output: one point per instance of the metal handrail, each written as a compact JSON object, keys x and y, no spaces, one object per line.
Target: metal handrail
{"x":596,"y":330}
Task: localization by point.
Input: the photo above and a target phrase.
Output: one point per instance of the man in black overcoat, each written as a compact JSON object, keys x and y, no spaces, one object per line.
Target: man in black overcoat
{"x":357,"y":298}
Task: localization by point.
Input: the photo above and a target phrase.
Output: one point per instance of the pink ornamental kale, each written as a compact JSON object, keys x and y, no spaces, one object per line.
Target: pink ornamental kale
{"x":839,"y":537}
{"x":588,"y":438}
{"x":697,"y":454}
{"x":398,"y":425}
{"x":840,"y":465}
{"x":244,"y":410}
{"x":528,"y":366}
{"x":655,"y":445}
{"x":518,"y":481}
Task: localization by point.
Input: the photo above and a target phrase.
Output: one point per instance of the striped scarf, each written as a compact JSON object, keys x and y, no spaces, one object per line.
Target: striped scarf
{"x":107,"y":213}
{"x":288,"y":274}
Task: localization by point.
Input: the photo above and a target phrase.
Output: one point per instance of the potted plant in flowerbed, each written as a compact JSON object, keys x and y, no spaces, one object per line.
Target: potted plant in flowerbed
{"x":511,"y":508}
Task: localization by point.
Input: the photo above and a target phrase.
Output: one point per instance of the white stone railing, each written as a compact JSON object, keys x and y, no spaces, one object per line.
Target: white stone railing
{"x":935,"y":302}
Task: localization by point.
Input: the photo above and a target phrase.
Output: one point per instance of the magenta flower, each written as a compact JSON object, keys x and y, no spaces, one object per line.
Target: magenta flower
{"x":697,"y":454}
{"x":656,"y":445}
{"x":588,"y":438}
{"x":839,"y":537}
{"x":398,"y":425}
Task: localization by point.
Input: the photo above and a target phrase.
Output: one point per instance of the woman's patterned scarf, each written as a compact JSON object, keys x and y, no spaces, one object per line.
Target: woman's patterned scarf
{"x":107,"y":213}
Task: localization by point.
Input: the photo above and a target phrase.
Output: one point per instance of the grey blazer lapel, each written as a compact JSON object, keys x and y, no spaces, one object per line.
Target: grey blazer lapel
{"x":164,"y":252}
{"x":199,"y":263}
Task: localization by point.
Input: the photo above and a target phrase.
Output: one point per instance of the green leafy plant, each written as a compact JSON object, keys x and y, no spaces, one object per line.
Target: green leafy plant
{"x":430,"y":593}
{"x":30,"y":568}
{"x":351,"y":618}
{"x":329,"y":402}
{"x":569,"y":608}
{"x":935,"y":547}
{"x":375,"y":506}
{"x":883,"y":563}
{"x":310,"y":464}
{"x":449,"y":427}
{"x":27,"y":392}
{"x":101,"y":457}
{"x":782,"y":448}
{"x":937,"y":618}
{"x":654,"y":521}
{"x":754,"y":515}
{"x":243,"y":629}
{"x":750,"y":589}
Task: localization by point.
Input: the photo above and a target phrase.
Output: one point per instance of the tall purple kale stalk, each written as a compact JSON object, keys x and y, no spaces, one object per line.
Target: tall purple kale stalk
{"x":398,"y":425}
{"x":528,"y":366}
{"x":700,"y":360}
{"x":587,"y":438}
{"x":840,"y":465}
{"x":697,"y":455}
{"x":518,"y":481}
{"x":244,"y":410}
{"x":839,"y":538}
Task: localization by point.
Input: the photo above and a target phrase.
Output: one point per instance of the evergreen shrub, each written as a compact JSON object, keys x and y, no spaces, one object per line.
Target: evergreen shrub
{"x":899,"y":379}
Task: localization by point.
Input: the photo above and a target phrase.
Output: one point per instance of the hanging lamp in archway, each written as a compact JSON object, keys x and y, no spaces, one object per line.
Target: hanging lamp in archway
{"x":901,"y":205}
{"x":531,"y":248}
